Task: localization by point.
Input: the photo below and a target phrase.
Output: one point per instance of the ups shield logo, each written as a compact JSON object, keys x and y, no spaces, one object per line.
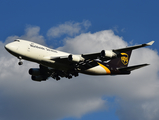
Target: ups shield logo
{"x":124,"y":58}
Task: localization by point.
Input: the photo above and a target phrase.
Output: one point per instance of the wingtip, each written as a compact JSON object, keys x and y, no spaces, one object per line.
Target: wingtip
{"x":147,"y":64}
{"x":150,"y":43}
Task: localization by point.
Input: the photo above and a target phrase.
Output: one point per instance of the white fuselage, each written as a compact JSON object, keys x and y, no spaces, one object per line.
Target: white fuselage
{"x":43,"y":55}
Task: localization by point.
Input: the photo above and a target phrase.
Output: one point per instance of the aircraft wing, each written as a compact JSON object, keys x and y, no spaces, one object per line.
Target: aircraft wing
{"x":109,"y":54}
{"x":133,"y":47}
{"x":103,"y":55}
{"x":91,"y":56}
{"x":59,"y":58}
{"x":56,"y":57}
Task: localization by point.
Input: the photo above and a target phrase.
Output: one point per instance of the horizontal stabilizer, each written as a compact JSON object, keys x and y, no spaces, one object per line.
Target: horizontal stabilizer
{"x":131,"y":68}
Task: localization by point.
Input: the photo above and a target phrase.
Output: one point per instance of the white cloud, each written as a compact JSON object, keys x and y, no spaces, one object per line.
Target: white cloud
{"x":68,"y":28}
{"x":31,"y":34}
{"x":88,"y":42}
{"x":137,"y":94}
{"x":135,"y":91}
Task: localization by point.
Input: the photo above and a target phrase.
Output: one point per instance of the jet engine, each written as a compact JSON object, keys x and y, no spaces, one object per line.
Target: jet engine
{"x":108,"y":54}
{"x":75,"y":58}
{"x":38,"y":78}
{"x":34,"y":71}
{"x":37,"y":74}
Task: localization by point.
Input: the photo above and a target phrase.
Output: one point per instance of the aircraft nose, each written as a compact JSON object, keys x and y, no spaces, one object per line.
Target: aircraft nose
{"x":6,"y":47}
{"x":10,"y":47}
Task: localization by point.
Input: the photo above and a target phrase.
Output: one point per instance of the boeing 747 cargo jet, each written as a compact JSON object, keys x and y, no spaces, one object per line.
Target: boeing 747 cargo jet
{"x":58,"y":64}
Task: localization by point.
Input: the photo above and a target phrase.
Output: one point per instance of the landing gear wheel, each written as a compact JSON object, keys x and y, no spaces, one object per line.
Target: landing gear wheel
{"x":20,"y":63}
{"x":57,"y":78}
{"x":69,"y":77}
{"x":76,"y":74}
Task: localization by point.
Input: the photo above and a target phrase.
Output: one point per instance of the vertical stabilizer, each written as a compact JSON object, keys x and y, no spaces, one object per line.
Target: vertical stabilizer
{"x":121,"y":61}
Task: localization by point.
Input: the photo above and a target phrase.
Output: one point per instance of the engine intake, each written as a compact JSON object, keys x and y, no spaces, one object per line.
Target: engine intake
{"x":34,"y":71}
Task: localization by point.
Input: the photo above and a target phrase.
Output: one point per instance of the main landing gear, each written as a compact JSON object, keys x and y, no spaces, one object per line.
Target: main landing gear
{"x":20,"y":62}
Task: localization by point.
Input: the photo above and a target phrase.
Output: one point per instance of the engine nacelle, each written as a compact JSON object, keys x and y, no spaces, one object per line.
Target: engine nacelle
{"x":34,"y":71}
{"x":38,"y":78}
{"x":75,"y":58}
{"x":108,"y":53}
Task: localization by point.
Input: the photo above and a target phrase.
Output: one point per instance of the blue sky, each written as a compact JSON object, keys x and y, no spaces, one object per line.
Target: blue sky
{"x":138,"y":19}
{"x":134,"y":21}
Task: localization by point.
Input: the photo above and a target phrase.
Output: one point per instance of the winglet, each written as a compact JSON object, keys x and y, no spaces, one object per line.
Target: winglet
{"x":150,"y":43}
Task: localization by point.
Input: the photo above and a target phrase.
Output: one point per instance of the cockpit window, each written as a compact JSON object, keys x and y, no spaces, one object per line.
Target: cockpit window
{"x":17,"y":40}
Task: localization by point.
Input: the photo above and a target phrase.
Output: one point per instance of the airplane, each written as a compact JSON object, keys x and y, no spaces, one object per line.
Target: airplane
{"x":58,"y":64}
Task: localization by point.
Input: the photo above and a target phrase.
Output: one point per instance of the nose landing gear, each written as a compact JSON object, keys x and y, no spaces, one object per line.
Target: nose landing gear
{"x":20,"y":62}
